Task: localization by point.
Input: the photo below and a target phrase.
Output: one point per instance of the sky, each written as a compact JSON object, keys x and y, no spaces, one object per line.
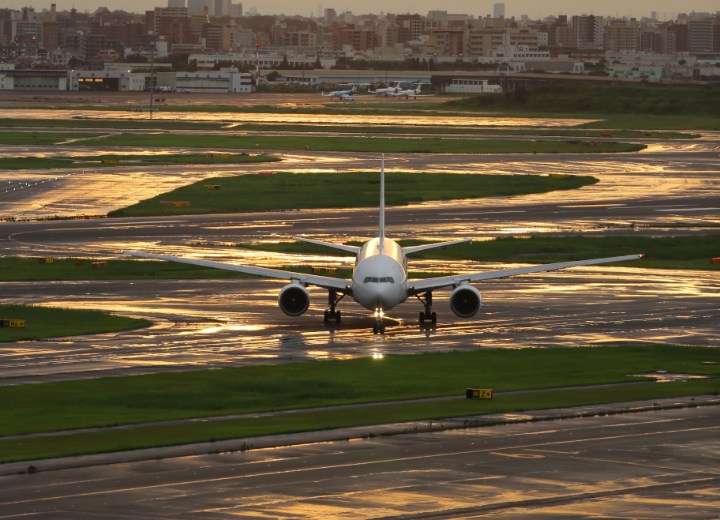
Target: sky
{"x":666,"y":9}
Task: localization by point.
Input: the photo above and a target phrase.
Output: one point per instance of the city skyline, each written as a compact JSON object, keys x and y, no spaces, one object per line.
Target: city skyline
{"x":665,"y":9}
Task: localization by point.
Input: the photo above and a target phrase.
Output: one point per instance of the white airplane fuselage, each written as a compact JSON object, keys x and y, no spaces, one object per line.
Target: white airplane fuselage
{"x":379,"y":280}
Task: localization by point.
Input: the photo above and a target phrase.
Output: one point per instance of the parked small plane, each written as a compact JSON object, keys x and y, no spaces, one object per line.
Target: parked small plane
{"x":343,"y":95}
{"x":386,"y":91}
{"x":379,"y":279}
{"x":409,"y":92}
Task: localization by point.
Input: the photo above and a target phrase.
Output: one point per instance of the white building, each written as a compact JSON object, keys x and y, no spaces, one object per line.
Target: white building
{"x":223,"y":80}
{"x":473,"y":86}
{"x":106,"y":80}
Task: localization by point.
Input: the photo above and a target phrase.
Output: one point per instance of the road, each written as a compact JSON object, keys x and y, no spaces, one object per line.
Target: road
{"x":660,"y":464}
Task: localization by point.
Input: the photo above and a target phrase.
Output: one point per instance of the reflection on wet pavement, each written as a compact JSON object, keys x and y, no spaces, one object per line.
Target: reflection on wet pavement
{"x":290,"y":118}
{"x":213,"y":323}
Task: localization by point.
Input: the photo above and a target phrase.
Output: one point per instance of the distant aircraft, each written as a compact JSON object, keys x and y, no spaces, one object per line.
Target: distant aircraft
{"x":343,"y":95}
{"x":409,"y":91}
{"x":379,"y":279}
{"x":386,"y":91}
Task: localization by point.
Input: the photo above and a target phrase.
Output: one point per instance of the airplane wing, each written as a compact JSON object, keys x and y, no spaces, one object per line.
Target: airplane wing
{"x":342,"y":247}
{"x":326,"y":282}
{"x":414,"y":249}
{"x":419,"y":286}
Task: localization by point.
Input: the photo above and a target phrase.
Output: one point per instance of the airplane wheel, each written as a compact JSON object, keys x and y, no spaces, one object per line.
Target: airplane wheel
{"x":433,"y":318}
{"x":326,"y":317}
{"x":375,"y":329}
{"x":382,"y":329}
{"x":337,"y":317}
{"x":422,"y":318}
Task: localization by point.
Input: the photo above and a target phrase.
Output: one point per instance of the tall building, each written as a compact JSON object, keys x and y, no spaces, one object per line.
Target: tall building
{"x":701,"y":34}
{"x":499,"y":10}
{"x":222,"y":8}
{"x":622,"y":35}
{"x":201,"y":7}
{"x":588,"y":32}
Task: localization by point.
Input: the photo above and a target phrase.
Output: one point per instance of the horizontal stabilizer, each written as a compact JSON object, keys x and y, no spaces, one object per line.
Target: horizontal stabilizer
{"x":414,"y":249}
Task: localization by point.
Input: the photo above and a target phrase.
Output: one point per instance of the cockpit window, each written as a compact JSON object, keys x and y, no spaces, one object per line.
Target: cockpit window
{"x":375,"y":279}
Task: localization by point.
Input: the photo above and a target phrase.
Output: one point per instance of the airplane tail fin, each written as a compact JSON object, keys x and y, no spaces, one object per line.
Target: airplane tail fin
{"x":381,"y":226}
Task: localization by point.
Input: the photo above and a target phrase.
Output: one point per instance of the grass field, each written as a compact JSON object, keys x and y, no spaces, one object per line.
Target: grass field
{"x":29,"y":269}
{"x":361,"y":144}
{"x":43,"y":322}
{"x":287,"y":191}
{"x":139,"y":399}
{"x":602,"y":99}
{"x":39,"y":138}
{"x":615,"y":106}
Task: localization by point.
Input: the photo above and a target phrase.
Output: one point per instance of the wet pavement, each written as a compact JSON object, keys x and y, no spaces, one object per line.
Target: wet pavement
{"x":217,"y":323}
{"x":656,"y":464}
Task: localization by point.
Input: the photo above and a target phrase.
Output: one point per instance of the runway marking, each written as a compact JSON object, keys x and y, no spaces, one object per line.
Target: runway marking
{"x":518,"y":455}
{"x":144,"y":222}
{"x":689,"y":209}
{"x":555,"y":451}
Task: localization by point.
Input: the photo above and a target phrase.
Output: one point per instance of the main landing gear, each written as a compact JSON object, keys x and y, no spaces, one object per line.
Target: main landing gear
{"x":427,"y":315}
{"x":332,"y":314}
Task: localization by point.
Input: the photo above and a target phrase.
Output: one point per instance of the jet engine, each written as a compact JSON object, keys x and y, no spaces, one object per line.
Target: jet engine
{"x":294,"y":299}
{"x":465,"y":301}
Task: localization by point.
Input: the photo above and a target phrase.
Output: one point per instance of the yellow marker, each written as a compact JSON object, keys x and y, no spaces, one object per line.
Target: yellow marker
{"x":479,"y":393}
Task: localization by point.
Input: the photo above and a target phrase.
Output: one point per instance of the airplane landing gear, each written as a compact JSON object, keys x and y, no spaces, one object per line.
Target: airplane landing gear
{"x":332,"y":314}
{"x":378,"y":327}
{"x":427,"y":315}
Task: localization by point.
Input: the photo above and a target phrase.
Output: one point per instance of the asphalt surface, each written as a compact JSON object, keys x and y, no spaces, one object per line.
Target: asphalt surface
{"x":657,"y":464}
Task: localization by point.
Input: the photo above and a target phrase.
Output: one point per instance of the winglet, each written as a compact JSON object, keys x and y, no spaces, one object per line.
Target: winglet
{"x":382,"y":204}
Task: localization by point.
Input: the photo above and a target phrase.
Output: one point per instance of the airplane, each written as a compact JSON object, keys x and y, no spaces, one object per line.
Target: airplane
{"x":379,"y":280}
{"x":387,"y":91}
{"x":342,"y":95}
{"x":409,"y":92}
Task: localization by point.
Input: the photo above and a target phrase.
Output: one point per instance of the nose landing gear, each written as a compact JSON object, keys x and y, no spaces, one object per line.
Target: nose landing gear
{"x":378,"y":327}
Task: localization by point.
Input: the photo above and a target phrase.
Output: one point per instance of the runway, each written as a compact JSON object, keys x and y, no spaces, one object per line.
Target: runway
{"x":660,"y":464}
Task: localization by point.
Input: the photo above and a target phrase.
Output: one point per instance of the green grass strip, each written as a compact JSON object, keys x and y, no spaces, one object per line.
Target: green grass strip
{"x":14,"y":269}
{"x":288,"y":191}
{"x":362,"y":144}
{"x":39,"y":138}
{"x":44,"y":322}
{"x":298,"y":385}
{"x":602,"y":99}
{"x":137,"y":399}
